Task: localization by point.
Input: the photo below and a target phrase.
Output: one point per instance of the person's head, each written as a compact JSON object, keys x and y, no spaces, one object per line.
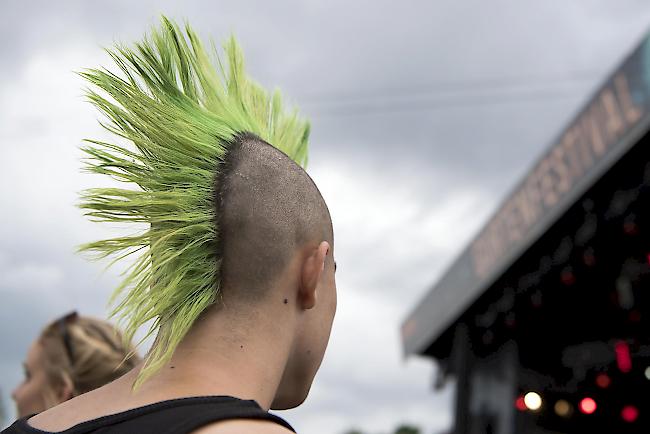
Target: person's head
{"x":216,"y":162}
{"x":72,"y":355}
{"x":277,"y":245}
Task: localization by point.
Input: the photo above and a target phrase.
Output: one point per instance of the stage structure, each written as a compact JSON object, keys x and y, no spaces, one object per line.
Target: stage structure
{"x":544,"y":319}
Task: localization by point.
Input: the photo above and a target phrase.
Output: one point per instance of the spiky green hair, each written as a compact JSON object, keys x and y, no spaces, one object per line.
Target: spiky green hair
{"x":178,"y":107}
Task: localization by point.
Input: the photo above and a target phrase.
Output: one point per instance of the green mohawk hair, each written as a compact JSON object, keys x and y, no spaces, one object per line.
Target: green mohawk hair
{"x":178,"y":108}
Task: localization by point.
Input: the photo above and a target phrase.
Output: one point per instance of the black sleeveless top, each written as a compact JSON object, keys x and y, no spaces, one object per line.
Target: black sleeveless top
{"x":176,"y":416}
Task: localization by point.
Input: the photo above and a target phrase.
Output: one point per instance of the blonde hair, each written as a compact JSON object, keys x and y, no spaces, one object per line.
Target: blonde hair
{"x":95,"y":354}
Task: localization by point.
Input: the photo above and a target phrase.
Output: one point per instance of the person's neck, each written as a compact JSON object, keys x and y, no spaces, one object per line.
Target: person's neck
{"x":227,"y":353}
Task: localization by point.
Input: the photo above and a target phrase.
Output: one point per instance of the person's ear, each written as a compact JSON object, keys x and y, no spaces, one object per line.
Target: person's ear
{"x":66,"y":390}
{"x":312,"y":269}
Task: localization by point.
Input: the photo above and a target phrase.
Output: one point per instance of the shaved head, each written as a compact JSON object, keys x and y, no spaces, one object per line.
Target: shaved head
{"x":268,"y":207}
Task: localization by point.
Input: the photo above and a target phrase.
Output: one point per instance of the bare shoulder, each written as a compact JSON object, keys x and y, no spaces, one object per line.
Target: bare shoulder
{"x":243,"y":427}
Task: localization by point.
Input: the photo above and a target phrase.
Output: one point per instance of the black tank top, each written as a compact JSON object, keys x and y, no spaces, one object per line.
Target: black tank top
{"x":176,"y":416}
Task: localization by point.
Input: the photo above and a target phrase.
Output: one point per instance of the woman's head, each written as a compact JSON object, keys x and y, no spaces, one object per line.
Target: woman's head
{"x":73,"y":355}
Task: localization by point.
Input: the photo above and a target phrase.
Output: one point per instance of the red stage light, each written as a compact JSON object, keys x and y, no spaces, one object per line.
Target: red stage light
{"x":603,"y":381}
{"x":623,"y":359}
{"x":630,"y":413}
{"x":567,"y":277}
{"x":588,"y":406}
{"x":520,"y":404}
{"x":634,"y":316}
{"x":630,"y":228}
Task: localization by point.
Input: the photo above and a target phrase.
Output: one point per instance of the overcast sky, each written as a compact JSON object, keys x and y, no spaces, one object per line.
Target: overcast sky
{"x":424,"y":115}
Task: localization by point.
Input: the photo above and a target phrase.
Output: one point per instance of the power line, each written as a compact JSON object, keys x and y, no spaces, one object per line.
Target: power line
{"x":447,"y":95}
{"x":348,"y":108}
{"x":451,"y":86}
